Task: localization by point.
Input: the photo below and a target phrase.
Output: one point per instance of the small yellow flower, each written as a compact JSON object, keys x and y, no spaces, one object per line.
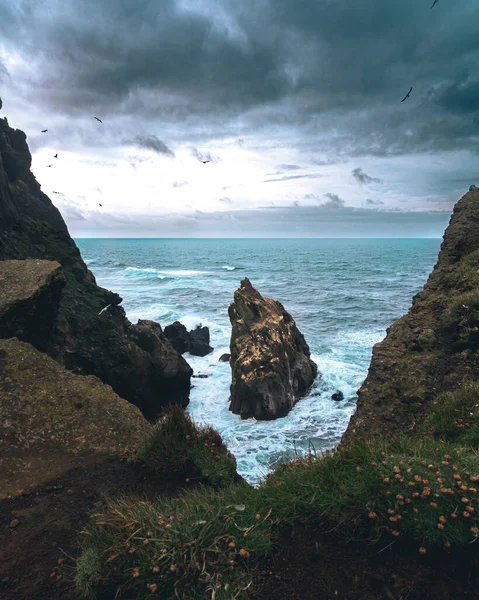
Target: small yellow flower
{"x":232,"y":545}
{"x":244,"y":553}
{"x":135,"y":572}
{"x":173,"y":568}
{"x":453,"y":516}
{"x":466,"y":515}
{"x":475,"y":531}
{"x":153,"y":587}
{"x":372,"y":515}
{"x":442,"y":519}
{"x":156,"y":569}
{"x":391,"y":511}
{"x":440,"y":526}
{"x":470,"y":508}
{"x":396,"y":533}
{"x":386,"y":480}
{"x":258,"y":517}
{"x":422,"y":550}
{"x":432,"y":504}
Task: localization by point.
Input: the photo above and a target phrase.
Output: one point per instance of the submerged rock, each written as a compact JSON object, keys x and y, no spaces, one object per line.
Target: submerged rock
{"x":337,"y":396}
{"x":270,"y":359}
{"x":80,"y":338}
{"x":196,"y":341}
{"x":49,"y":415}
{"x":434,"y":347}
{"x":225,"y":357}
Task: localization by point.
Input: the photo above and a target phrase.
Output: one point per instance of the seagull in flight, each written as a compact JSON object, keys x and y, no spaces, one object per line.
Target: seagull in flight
{"x":100,"y":204}
{"x":408,"y":94}
{"x":49,"y":165}
{"x":434,"y":3}
{"x":103,"y":309}
{"x":55,"y":192}
{"x":98,"y":119}
{"x":205,"y":161}
{"x":44,"y":130}
{"x":55,"y":156}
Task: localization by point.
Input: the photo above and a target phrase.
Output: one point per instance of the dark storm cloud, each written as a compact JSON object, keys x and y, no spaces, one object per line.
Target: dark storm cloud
{"x":363,"y":177}
{"x":151,"y":142}
{"x":225,"y":68}
{"x":374,"y":202}
{"x":289,"y":177}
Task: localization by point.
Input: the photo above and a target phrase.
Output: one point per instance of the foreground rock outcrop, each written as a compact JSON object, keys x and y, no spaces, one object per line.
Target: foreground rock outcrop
{"x":30,"y":292}
{"x":432,"y":349}
{"x":270,"y":359}
{"x":49,"y":416}
{"x":196,"y":341}
{"x":136,"y":360}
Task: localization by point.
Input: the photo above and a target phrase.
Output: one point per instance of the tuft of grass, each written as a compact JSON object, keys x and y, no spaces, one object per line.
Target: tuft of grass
{"x":88,"y":570}
{"x":455,"y":416}
{"x":181,"y":450}
{"x":200,"y":546}
{"x":462,"y":317}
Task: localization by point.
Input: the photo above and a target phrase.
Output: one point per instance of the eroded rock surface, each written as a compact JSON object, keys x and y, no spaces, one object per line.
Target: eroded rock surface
{"x":49,"y":416}
{"x":434,"y":347}
{"x":270,"y":359}
{"x":196,"y":341}
{"x":81,"y":339}
{"x":30,"y":292}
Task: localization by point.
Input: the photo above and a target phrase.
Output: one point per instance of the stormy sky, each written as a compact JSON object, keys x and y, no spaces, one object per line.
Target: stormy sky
{"x":296,"y":106}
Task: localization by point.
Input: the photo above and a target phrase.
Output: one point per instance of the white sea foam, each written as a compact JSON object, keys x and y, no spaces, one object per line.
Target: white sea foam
{"x":228,"y":268}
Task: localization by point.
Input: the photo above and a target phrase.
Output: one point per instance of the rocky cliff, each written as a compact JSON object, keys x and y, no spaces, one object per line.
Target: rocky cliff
{"x":434,"y":347}
{"x":136,"y":360}
{"x":270,"y":359}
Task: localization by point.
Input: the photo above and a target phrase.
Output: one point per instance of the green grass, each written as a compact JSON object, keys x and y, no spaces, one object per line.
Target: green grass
{"x":209,"y":542}
{"x":181,"y":450}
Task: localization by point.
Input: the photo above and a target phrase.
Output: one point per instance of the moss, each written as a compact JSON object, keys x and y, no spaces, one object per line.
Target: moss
{"x":427,"y":339}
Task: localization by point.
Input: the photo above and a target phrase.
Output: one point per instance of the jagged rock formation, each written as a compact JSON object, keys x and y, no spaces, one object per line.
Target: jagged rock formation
{"x":49,"y":416}
{"x":106,"y":345}
{"x":434,"y":347}
{"x":196,"y":341}
{"x":270,"y":359}
{"x":30,"y":292}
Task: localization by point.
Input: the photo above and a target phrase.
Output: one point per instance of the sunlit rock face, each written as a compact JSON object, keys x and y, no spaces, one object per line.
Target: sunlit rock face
{"x":270,"y":359}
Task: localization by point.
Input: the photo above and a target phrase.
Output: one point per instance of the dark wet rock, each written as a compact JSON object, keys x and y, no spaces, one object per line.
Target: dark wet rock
{"x":141,"y":366}
{"x":337,"y":396}
{"x":225,"y":357}
{"x":47,"y":411}
{"x":196,"y":341}
{"x":270,"y":359}
{"x":178,"y":336}
{"x":201,"y":376}
{"x":433,"y":348}
{"x":29,"y":298}
{"x":199,"y":344}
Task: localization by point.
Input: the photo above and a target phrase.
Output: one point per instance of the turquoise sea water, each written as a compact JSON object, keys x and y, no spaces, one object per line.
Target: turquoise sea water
{"x":342,"y":293}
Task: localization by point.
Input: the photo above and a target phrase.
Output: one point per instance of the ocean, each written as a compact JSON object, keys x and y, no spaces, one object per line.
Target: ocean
{"x":342,"y":293}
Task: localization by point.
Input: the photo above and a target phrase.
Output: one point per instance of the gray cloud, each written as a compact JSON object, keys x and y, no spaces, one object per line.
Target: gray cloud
{"x":334,"y":202}
{"x":374,"y":202}
{"x":204,"y":155}
{"x":151,"y":142}
{"x":289,"y":177}
{"x":363,"y":177}
{"x":226,"y":200}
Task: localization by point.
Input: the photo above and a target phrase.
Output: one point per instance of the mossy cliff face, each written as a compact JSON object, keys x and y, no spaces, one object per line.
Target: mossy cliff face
{"x":270,"y":359}
{"x":148,"y":373}
{"x":434,"y":347}
{"x":47,"y":411}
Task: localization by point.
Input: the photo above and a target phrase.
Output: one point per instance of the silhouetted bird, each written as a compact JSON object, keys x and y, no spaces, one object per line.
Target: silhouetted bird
{"x":49,"y":165}
{"x":100,"y":204}
{"x":98,"y":119}
{"x":55,"y":156}
{"x":205,"y":161}
{"x":407,"y":95}
{"x":434,"y":3}
{"x":55,"y":192}
{"x":44,"y":130}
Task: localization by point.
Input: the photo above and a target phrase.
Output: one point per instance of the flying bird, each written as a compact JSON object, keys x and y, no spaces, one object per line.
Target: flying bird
{"x":205,"y":161}
{"x":49,"y":165}
{"x":100,"y":204}
{"x":55,"y":156}
{"x":434,"y":3}
{"x":55,"y":192}
{"x":98,"y":119}
{"x":407,"y":95}
{"x":103,"y":309}
{"x":44,"y":130}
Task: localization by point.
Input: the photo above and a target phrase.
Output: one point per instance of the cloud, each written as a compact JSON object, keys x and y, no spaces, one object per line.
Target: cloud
{"x":226,"y":200}
{"x":334,"y":202}
{"x":179,"y":184}
{"x":151,"y":142}
{"x":374,"y":202}
{"x":363,"y":177}
{"x":204,"y":155}
{"x":290,"y":177}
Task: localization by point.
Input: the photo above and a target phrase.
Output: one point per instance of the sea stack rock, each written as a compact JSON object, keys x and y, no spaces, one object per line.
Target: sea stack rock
{"x":141,"y":367}
{"x":434,"y":347}
{"x":270,"y":359}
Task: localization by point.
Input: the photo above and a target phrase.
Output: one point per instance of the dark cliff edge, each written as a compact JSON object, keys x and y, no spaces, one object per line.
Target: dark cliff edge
{"x":433,"y":348}
{"x":136,"y":360}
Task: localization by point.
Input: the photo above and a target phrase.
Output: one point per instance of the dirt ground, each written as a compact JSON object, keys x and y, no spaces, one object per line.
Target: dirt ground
{"x":318,"y":566}
{"x":37,"y":554}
